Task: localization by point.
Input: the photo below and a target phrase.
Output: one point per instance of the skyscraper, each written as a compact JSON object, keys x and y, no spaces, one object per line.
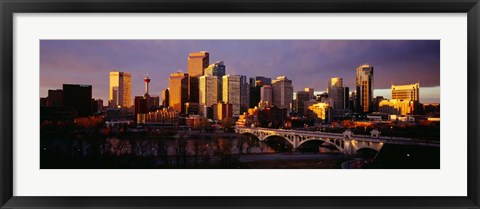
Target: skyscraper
{"x":282,"y":92}
{"x":197,"y":62}
{"x":255,"y":85}
{"x":178,"y":91}
{"x":266,"y":94}
{"x":79,"y":97}
{"x":364,"y":90}
{"x":406,"y":92}
{"x":302,"y":97}
{"x":120,"y":89}
{"x":208,"y":92}
{"x":244,"y":94}
{"x":310,"y":92}
{"x":165,"y":98}
{"x":336,"y":91}
{"x":217,"y":69}
{"x":231,"y":92}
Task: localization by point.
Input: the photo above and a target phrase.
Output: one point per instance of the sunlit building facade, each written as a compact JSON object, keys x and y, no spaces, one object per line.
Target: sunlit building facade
{"x":320,"y":111}
{"x":208,"y":92}
{"x":120,"y":89}
{"x":406,"y":92}
{"x":178,"y":91}
{"x":364,"y":88}
{"x":397,"y":107}
{"x":339,"y":95}
{"x":217,"y":69}
{"x":231,"y":92}
{"x":282,"y":92}
{"x":197,"y":62}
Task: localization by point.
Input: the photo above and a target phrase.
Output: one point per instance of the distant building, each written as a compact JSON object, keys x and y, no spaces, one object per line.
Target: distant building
{"x":244,"y":94}
{"x":217,"y":69}
{"x":97,"y":105}
{"x":397,"y":107}
{"x":55,"y":98}
{"x":364,"y":88}
{"x":222,"y":111}
{"x":164,"y":117}
{"x":310,"y":92}
{"x":165,"y":98}
{"x":43,"y":102}
{"x":302,"y":97}
{"x":320,"y":111}
{"x":197,"y":62}
{"x":255,"y":84}
{"x":339,"y":95}
{"x":79,"y":97}
{"x":192,"y":108}
{"x":266,"y":94}
{"x":406,"y":92}
{"x":120,"y":89}
{"x":140,"y":105}
{"x":231,"y":92}
{"x":178,"y":91}
{"x":282,"y":93}
{"x":208,"y":92}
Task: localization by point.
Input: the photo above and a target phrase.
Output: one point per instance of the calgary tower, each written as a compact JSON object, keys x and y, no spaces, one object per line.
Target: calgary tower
{"x":146,"y":80}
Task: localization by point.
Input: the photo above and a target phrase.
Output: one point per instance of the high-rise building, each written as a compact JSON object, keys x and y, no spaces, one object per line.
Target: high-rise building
{"x":120,"y":89}
{"x":208,"y":92}
{"x":55,"y":98}
{"x":260,"y":81}
{"x":217,"y":69}
{"x":310,"y":92}
{"x":266,"y":94}
{"x":244,"y":94}
{"x":165,"y":98}
{"x":79,"y":97}
{"x":406,"y":92}
{"x":231,"y":92}
{"x":364,"y":84}
{"x":222,"y":111}
{"x":282,"y":93}
{"x":140,"y":106}
{"x":338,"y":93}
{"x":255,"y":85}
{"x":197,"y":62}
{"x":178,"y":91}
{"x":302,"y":97}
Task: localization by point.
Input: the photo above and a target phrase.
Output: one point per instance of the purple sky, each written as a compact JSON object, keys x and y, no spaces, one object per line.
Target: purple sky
{"x":309,"y":63}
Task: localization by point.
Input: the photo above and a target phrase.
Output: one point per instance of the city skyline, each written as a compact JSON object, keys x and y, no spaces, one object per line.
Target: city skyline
{"x":90,"y":62}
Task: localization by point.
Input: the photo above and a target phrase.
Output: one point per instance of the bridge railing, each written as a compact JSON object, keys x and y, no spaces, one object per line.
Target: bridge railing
{"x":384,"y":139}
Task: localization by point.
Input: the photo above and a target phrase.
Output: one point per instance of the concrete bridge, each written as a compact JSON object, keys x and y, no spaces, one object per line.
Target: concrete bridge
{"x":345,"y":142}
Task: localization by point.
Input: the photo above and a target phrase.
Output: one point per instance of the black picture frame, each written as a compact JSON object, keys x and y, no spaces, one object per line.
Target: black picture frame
{"x":9,"y":7}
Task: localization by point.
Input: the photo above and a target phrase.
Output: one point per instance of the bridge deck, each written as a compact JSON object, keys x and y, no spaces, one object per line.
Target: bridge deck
{"x":365,"y":138}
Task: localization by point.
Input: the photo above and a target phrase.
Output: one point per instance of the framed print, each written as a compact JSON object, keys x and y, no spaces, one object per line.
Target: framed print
{"x":196,"y":104}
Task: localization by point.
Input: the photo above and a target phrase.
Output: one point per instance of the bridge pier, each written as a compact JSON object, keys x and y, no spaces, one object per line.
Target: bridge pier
{"x":295,"y":143}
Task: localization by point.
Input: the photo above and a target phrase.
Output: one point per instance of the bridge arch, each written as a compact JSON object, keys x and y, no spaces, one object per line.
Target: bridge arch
{"x":339,"y":144}
{"x":280,"y":136}
{"x":251,"y":134}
